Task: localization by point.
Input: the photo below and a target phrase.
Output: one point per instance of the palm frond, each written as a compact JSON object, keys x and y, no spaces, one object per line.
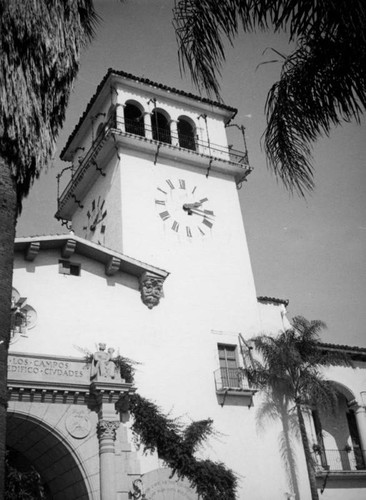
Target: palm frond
{"x":322,"y":83}
{"x":317,"y":392}
{"x":40,"y":46}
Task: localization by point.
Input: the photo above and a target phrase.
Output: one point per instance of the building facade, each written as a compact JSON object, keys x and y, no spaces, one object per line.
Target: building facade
{"x":156,"y":266}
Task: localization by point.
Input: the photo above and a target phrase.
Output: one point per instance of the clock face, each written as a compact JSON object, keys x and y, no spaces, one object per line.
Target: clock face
{"x":183,"y":208}
{"x":96,"y":216}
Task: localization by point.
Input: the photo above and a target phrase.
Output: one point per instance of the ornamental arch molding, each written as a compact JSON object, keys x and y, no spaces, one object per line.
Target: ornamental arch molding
{"x":43,"y":446}
{"x":344,"y":390}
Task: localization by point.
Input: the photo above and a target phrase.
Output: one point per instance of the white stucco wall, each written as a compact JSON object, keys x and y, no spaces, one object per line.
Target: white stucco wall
{"x":209,"y":298}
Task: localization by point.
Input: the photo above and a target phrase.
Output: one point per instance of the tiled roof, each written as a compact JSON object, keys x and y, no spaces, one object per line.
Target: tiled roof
{"x":354,"y":351}
{"x":285,"y":302}
{"x":145,"y":81}
{"x":88,"y":249}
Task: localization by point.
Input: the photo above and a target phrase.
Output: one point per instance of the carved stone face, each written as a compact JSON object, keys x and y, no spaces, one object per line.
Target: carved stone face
{"x":151,"y":292}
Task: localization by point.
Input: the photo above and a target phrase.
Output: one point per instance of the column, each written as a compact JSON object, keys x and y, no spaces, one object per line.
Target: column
{"x":107,"y":435}
{"x":174,"y":132}
{"x":360,"y":413}
{"x":120,"y":117}
{"x":148,"y":125}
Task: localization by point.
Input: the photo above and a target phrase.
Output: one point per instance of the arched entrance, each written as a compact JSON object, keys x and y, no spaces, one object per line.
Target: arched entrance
{"x":34,"y":442}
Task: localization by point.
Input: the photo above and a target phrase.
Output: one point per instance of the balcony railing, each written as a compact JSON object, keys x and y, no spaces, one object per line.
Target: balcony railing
{"x":340,"y":460}
{"x":230,"y":379}
{"x":137,"y":127}
{"x":129,"y":127}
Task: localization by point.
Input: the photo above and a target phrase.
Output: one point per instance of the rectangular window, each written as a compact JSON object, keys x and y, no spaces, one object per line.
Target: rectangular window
{"x":67,"y":267}
{"x":229,"y":367}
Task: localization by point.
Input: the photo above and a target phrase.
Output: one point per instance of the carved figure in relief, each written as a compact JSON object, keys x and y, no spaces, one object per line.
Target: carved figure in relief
{"x":111,"y":367}
{"x":151,"y":290}
{"x":137,"y":490}
{"x":100,"y":362}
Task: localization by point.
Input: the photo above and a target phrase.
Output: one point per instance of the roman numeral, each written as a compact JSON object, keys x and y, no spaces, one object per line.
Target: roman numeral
{"x":203,"y":200}
{"x":104,"y":214}
{"x":162,"y":190}
{"x":93,"y":205}
{"x":164,"y":215}
{"x":209,"y":212}
{"x":170,"y":184}
{"x":200,"y":230}
{"x":189,"y":233}
{"x":159,"y":202}
{"x":207,"y":223}
{"x":182,"y":184}
{"x":102,"y":229}
{"x":102,"y":205}
{"x":175,"y":226}
{"x":194,"y":189}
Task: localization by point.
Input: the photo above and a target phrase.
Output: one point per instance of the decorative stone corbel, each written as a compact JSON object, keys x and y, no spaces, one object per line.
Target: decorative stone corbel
{"x":32,"y":250}
{"x":112,"y":266}
{"x":151,"y":288}
{"x":68,"y":249}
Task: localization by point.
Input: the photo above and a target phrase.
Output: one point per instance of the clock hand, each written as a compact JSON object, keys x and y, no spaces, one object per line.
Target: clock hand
{"x":188,"y":206}
{"x":207,"y":214}
{"x":196,"y":204}
{"x":94,"y":225}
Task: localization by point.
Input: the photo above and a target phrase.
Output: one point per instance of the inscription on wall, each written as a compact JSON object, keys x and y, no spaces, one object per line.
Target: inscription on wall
{"x":47,"y":370}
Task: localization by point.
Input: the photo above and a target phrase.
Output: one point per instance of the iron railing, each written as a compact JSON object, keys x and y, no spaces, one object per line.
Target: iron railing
{"x":230,"y":378}
{"x":137,"y":127}
{"x":340,"y":460}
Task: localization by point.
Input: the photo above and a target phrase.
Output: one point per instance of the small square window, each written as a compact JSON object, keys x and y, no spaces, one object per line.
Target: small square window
{"x":67,"y":267}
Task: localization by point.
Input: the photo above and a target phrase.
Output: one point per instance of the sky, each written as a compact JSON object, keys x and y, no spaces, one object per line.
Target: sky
{"x":310,"y":251}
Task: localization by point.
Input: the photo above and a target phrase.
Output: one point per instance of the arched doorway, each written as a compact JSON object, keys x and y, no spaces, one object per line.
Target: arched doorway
{"x":34,"y":443}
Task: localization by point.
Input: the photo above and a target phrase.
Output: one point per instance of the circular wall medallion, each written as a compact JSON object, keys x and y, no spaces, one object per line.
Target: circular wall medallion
{"x":78,"y":424}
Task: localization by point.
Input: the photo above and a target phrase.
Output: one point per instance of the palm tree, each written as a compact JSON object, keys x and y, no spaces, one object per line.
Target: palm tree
{"x":322,"y":82}
{"x":40,"y":45}
{"x":291,"y":363}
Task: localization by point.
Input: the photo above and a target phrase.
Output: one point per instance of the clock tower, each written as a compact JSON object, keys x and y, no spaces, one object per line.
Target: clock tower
{"x":154,"y":179}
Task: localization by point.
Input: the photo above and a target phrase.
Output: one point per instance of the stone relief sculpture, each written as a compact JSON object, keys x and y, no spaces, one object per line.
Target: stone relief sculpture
{"x":23,"y":316}
{"x":103,"y":366}
{"x":137,"y":491}
{"x":151,"y":288}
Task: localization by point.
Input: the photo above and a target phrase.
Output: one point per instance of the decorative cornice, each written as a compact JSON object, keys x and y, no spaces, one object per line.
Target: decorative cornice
{"x":90,"y":250}
{"x":151,"y":288}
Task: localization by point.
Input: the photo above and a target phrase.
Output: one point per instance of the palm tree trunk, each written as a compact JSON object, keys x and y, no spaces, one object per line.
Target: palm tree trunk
{"x":290,"y":458}
{"x":8,"y":215}
{"x":308,"y":457}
